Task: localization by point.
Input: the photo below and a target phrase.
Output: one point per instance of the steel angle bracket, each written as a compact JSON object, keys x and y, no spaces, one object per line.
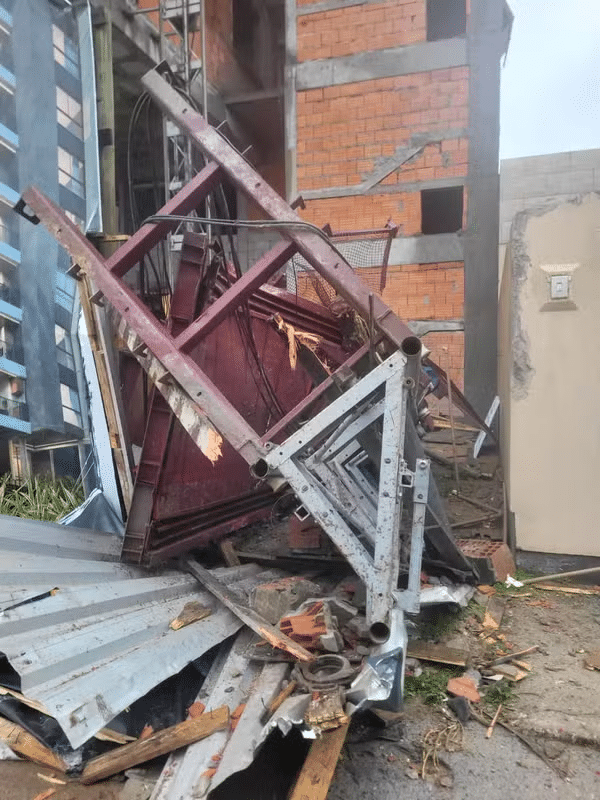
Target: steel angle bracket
{"x":312,"y":462}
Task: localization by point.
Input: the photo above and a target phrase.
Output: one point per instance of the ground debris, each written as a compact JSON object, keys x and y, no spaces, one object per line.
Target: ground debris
{"x":159,"y":743}
{"x":191,"y":612}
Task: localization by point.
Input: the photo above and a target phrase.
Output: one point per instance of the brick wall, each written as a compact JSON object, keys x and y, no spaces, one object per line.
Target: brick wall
{"x":346,"y":133}
{"x":448,"y":350}
{"x":368,"y":27}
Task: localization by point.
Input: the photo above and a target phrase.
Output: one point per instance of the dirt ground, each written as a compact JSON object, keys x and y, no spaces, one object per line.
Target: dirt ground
{"x":558,"y":703}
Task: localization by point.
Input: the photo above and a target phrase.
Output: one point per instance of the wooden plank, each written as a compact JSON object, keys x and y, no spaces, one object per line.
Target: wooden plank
{"x":426,"y":651}
{"x":317,"y":773}
{"x":248,"y":615}
{"x":165,"y":741}
{"x":229,"y":555}
{"x":27,"y":746}
{"x":281,"y":698}
{"x":549,"y":587}
{"x":111,"y":399}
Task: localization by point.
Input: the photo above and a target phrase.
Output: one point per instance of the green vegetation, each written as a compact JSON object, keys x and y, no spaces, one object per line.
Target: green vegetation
{"x":39,"y":498}
{"x":501,"y":692}
{"x":430,"y":685}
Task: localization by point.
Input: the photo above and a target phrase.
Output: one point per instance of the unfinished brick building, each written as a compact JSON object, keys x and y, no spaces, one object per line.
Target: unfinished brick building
{"x":370,"y":110}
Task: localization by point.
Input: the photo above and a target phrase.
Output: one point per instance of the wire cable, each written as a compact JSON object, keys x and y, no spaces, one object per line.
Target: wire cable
{"x":247,"y":223}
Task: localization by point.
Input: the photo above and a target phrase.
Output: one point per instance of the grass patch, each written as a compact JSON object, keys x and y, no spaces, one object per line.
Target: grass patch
{"x":430,"y":685}
{"x":501,"y":692}
{"x":39,"y":498}
{"x":438,"y":622}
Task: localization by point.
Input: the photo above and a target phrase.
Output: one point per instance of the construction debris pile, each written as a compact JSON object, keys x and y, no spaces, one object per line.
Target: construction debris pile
{"x":266,"y":407}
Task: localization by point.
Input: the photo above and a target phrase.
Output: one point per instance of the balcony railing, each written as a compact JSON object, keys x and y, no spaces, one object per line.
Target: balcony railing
{"x":9,"y":234}
{"x":12,"y":350}
{"x":14,"y":408}
{"x":10,"y":294}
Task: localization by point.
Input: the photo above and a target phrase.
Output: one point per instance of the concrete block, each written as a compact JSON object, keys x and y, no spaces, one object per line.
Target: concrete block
{"x":273,"y":600}
{"x":493,"y":559}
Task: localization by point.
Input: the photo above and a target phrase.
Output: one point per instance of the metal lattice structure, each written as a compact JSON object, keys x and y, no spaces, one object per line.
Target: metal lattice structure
{"x":349,"y":448}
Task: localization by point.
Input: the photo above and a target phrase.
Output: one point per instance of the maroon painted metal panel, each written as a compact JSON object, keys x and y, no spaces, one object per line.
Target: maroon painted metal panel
{"x":182,"y":500}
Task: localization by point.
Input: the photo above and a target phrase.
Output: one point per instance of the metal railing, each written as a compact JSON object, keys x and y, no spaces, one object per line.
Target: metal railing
{"x":14,"y":408}
{"x":10,"y":294}
{"x":12,"y":351}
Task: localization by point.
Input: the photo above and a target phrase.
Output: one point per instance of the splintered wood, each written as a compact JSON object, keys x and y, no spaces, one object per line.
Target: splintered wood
{"x":326,"y":710}
{"x":165,"y":741}
{"x":191,"y":612}
{"x":247,"y":615}
{"x":317,"y":773}
{"x":24,"y":744}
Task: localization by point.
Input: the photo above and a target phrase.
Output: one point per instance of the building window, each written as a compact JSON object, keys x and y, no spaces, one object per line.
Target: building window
{"x":74,"y":219}
{"x":68,"y":113}
{"x":446,"y":19}
{"x":442,"y":210}
{"x":6,"y":51}
{"x":65,"y":51}
{"x":64,"y":347}
{"x":70,"y":172}
{"x":65,"y":291}
{"x":70,"y":405}
{"x":9,"y":230}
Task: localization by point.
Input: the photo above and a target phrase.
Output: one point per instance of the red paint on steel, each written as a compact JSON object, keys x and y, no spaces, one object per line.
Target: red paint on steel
{"x":143,"y":240}
{"x":260,"y":273}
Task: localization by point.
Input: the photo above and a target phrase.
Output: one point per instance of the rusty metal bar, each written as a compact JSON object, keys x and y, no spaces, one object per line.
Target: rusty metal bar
{"x":315,"y":394}
{"x":319,"y":253}
{"x":250,"y":281}
{"x":143,"y":240}
{"x":212,"y":405}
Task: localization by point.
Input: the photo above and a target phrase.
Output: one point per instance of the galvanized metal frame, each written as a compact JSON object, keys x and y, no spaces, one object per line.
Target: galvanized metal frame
{"x":310,"y":461}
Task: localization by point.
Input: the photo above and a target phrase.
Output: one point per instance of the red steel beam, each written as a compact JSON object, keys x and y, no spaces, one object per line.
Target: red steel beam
{"x":315,"y":394}
{"x":250,"y":281}
{"x":319,"y":253}
{"x":212,"y":405}
{"x":144,"y":239}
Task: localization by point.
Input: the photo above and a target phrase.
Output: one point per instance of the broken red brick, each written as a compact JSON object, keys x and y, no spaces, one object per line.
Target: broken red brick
{"x":464,"y":687}
{"x":196,"y":710}
{"x":235,"y":717}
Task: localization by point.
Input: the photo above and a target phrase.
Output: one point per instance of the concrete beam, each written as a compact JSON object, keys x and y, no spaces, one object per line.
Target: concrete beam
{"x":487,"y":39}
{"x":331,"y":5}
{"x":432,"y":249}
{"x":136,"y":27}
{"x":387,"y":63}
{"x":396,"y":188}
{"x":421,"y":327}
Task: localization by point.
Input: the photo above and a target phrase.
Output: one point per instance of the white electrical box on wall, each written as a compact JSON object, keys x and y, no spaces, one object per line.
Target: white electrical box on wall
{"x":560,"y":286}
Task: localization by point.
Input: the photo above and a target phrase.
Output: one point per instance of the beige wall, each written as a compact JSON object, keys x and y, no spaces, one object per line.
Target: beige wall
{"x":549,"y":379}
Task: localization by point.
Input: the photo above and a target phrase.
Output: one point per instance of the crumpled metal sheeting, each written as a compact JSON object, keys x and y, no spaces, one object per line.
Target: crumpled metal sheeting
{"x":89,"y":651}
{"x":52,"y":539}
{"x":38,"y":556}
{"x":231,"y":681}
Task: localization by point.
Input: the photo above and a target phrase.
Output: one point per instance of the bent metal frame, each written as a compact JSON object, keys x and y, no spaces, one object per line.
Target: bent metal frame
{"x":325,"y":461}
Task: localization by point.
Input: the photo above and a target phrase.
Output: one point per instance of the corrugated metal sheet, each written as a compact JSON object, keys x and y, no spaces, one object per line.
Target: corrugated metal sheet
{"x":103,"y":640}
{"x":233,"y":680}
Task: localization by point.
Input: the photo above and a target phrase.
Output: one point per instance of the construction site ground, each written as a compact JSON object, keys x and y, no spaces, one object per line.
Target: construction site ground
{"x":556,"y":706}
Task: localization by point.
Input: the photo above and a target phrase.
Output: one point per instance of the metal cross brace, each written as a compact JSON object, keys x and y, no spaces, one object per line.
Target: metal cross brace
{"x":314,"y":463}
